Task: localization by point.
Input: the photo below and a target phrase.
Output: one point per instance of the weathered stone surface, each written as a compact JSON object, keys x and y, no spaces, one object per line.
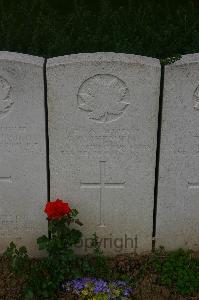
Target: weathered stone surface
{"x":103,"y":111}
{"x":22,"y":151}
{"x":178,"y":201}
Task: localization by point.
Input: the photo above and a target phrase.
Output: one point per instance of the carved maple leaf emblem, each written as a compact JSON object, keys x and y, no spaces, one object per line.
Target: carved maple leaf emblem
{"x":5,"y":101}
{"x":103,"y":97}
{"x":196,"y":98}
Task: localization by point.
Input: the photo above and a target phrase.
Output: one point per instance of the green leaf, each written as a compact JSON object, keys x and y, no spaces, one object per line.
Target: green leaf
{"x":42,"y":242}
{"x":78,"y":222}
{"x":23,"y":250}
{"x":28,"y":294}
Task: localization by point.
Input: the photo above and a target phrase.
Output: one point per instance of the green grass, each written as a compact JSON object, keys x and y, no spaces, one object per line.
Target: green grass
{"x":156,"y":28}
{"x":179,"y":271}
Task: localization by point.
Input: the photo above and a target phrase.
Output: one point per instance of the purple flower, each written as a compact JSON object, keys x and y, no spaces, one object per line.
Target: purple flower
{"x":101,"y":286}
{"x":85,"y":280}
{"x":127,"y":292}
{"x":77,"y":284}
{"x":98,"y":286}
{"x":119,"y":283}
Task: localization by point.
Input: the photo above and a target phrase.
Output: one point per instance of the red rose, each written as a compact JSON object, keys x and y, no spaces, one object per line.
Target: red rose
{"x":57,"y":209}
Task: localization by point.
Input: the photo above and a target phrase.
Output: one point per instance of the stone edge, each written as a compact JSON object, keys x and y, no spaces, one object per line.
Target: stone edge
{"x":185,"y":60}
{"x":98,"y":56}
{"x":102,"y":57}
{"x":22,"y":58}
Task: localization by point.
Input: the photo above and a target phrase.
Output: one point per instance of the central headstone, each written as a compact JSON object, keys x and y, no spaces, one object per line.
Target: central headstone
{"x":103,"y":111}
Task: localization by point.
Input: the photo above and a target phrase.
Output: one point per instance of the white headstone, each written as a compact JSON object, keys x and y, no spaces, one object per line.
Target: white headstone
{"x":103,"y":111}
{"x":178,"y":201}
{"x":22,"y":151}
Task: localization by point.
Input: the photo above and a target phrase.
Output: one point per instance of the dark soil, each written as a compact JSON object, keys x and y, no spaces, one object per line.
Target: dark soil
{"x":147,"y":287}
{"x":9,"y":285}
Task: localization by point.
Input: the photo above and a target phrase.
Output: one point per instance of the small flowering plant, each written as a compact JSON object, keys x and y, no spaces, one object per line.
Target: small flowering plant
{"x":43,"y":277}
{"x":60,"y":217}
{"x":97,"y":289}
{"x":57,"y":209}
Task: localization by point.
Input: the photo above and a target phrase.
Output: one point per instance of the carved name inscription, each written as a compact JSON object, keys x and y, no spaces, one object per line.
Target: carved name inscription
{"x":5,"y":101}
{"x":103,"y":97}
{"x":11,"y":223}
{"x":82,"y":141}
{"x":13,"y":137}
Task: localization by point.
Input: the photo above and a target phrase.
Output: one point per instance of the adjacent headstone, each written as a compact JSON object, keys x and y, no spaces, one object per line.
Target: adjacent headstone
{"x":22,"y":151}
{"x":178,"y":200}
{"x":103,"y":111}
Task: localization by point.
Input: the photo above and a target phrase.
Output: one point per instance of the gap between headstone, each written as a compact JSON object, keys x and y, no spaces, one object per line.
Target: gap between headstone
{"x":46,"y":129}
{"x":46,"y":133}
{"x":158,"y":155}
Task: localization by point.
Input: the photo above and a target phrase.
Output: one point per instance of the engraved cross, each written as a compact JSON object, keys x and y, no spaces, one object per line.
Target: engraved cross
{"x":102,"y":185}
{"x":193,"y":185}
{"x":5,"y":179}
